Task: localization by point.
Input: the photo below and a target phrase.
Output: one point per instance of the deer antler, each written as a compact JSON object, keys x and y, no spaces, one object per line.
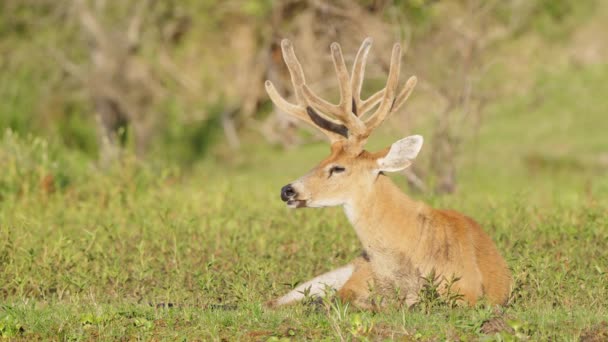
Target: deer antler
{"x":349,"y":127}
{"x":302,"y":110}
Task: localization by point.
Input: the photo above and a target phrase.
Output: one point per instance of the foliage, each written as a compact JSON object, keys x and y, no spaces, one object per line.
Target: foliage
{"x":437,"y":291}
{"x":37,"y":37}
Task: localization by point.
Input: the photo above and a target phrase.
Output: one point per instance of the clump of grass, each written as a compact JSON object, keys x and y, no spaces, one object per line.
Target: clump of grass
{"x":437,"y":291}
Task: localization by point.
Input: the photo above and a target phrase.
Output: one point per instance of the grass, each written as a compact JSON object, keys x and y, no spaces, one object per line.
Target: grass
{"x":150,"y":251}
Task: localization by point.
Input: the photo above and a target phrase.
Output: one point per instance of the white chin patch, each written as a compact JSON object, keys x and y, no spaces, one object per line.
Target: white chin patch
{"x":323,"y":203}
{"x":296,"y":204}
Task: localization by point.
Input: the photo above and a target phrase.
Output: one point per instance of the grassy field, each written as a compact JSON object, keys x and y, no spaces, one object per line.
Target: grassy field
{"x":155,"y":252}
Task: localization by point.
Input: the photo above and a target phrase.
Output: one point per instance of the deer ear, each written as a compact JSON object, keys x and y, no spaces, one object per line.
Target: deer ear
{"x":401,"y":154}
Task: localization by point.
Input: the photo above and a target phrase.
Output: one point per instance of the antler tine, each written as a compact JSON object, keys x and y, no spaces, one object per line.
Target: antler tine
{"x":302,"y":110}
{"x":295,"y":70}
{"x":371,"y":102}
{"x":405,"y":93}
{"x":344,"y":110}
{"x":388,"y":100}
{"x":334,"y":130}
{"x":362,"y":106}
{"x":283,"y":104}
{"x":346,"y":96}
{"x":320,"y":103}
{"x":358,"y":72}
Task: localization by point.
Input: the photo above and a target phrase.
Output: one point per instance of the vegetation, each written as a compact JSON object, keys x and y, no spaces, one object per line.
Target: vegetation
{"x":189,"y":242}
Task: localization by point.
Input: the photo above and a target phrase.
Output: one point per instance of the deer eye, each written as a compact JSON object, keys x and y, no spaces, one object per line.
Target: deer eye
{"x":336,"y":169}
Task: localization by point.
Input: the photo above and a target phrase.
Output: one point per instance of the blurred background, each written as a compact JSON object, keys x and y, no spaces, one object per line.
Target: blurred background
{"x":179,"y":82}
{"x":141,"y":160}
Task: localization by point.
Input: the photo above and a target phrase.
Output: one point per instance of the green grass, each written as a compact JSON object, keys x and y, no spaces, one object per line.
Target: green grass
{"x":92,"y":254}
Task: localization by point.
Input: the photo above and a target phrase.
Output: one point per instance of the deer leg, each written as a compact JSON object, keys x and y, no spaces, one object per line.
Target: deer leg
{"x":357,"y":289}
{"x":316,"y":287}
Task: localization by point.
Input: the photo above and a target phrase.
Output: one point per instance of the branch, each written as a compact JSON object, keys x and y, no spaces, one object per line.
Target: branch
{"x":134,"y":28}
{"x":68,"y":66}
{"x":90,"y":23}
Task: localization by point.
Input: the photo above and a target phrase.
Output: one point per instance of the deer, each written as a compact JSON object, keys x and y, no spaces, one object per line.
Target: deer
{"x":403,"y":240}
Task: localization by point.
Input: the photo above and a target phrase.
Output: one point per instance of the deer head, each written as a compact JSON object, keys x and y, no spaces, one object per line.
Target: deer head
{"x":349,"y":169}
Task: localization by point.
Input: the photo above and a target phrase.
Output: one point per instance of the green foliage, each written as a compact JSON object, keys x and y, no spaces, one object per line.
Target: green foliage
{"x":19,"y":17}
{"x":33,"y":167}
{"x":41,"y":99}
{"x":557,"y":17}
{"x":257,"y":8}
{"x":18,"y":89}
{"x":187,"y":142}
{"x":9,"y":324}
{"x":553,"y":19}
{"x":418,"y":11}
{"x":437,"y":291}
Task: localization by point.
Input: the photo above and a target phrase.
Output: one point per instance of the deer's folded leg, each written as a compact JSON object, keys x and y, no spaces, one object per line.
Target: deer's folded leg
{"x":317,"y":286}
{"x":357,"y":289}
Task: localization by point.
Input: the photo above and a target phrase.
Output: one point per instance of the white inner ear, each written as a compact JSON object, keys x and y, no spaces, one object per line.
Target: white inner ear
{"x":401,"y":154}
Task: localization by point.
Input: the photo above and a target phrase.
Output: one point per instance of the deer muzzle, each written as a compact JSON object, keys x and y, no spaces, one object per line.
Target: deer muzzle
{"x":288,"y":193}
{"x":289,"y":196}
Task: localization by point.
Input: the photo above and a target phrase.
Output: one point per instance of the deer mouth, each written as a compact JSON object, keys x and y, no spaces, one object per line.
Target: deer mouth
{"x":294,"y":204}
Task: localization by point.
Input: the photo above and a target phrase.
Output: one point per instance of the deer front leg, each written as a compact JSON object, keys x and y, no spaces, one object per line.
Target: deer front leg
{"x":316,"y":286}
{"x":357,"y":289}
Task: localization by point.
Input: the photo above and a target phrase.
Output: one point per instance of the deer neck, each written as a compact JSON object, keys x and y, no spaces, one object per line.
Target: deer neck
{"x":383,"y":215}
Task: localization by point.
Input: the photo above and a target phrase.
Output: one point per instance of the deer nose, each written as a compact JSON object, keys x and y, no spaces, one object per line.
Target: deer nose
{"x":287,"y":192}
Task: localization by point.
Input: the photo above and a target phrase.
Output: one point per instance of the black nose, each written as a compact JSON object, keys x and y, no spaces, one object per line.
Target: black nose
{"x":287,"y":192}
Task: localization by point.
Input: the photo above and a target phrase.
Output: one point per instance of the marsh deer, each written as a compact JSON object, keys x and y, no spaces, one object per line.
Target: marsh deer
{"x":403,"y":240}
